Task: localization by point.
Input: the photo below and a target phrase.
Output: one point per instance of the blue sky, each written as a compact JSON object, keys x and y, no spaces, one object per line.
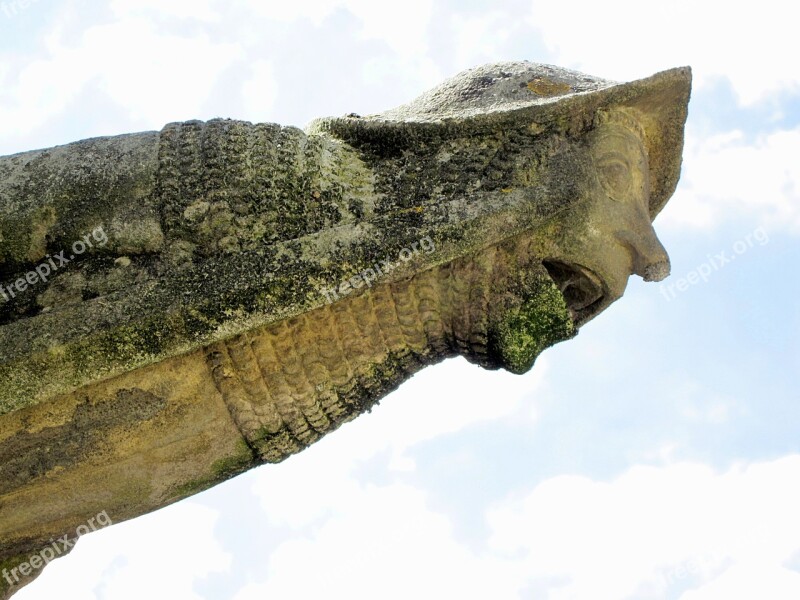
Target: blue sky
{"x":654,"y":456}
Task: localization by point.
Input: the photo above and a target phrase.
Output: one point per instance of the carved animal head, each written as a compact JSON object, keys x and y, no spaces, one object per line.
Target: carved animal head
{"x":611,"y":236}
{"x":579,"y":167}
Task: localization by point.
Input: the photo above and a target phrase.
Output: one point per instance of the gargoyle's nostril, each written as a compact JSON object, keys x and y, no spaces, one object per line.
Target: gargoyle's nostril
{"x":656,"y":271}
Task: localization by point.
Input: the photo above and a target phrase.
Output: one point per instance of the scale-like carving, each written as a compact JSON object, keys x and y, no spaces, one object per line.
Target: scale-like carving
{"x":290,"y":383}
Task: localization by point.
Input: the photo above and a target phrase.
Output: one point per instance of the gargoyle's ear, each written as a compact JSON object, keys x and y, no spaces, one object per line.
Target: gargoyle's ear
{"x":524,"y":94}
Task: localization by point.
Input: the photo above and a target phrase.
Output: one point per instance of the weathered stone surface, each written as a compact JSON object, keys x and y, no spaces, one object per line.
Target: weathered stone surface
{"x":241,"y":290}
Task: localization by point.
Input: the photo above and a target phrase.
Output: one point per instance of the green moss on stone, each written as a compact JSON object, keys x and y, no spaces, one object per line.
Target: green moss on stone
{"x":523,"y":333}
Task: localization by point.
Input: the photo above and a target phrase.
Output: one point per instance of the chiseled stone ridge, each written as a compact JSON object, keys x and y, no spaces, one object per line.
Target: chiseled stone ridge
{"x":179,"y":306}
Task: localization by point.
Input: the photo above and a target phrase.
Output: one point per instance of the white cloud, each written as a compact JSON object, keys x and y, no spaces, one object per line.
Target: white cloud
{"x":157,"y":78}
{"x":314,"y":10}
{"x":404,"y":65}
{"x":386,"y":544}
{"x":131,"y":560}
{"x":739,"y":581}
{"x":260,"y":92}
{"x":201,"y":10}
{"x":652,"y":532}
{"x":726,"y":175}
{"x":402,"y":26}
{"x":653,"y":527}
{"x":478,"y":38}
{"x":169,"y":78}
{"x":754,"y":48}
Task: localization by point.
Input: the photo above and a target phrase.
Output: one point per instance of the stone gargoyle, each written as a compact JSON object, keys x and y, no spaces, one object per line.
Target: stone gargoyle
{"x":180,"y":306}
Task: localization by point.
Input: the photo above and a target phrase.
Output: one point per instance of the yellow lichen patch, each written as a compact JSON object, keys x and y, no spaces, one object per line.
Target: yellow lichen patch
{"x":542,"y":86}
{"x":41,"y":223}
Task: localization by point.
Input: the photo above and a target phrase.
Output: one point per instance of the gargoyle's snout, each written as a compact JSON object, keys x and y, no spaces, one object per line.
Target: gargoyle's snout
{"x":649,"y":257}
{"x":656,"y":271}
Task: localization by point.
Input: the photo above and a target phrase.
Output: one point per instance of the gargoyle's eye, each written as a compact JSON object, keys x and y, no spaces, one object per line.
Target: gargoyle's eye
{"x":615,"y":176}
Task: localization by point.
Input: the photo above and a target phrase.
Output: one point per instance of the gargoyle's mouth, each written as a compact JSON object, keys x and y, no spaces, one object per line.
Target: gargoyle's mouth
{"x":582,"y":288}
